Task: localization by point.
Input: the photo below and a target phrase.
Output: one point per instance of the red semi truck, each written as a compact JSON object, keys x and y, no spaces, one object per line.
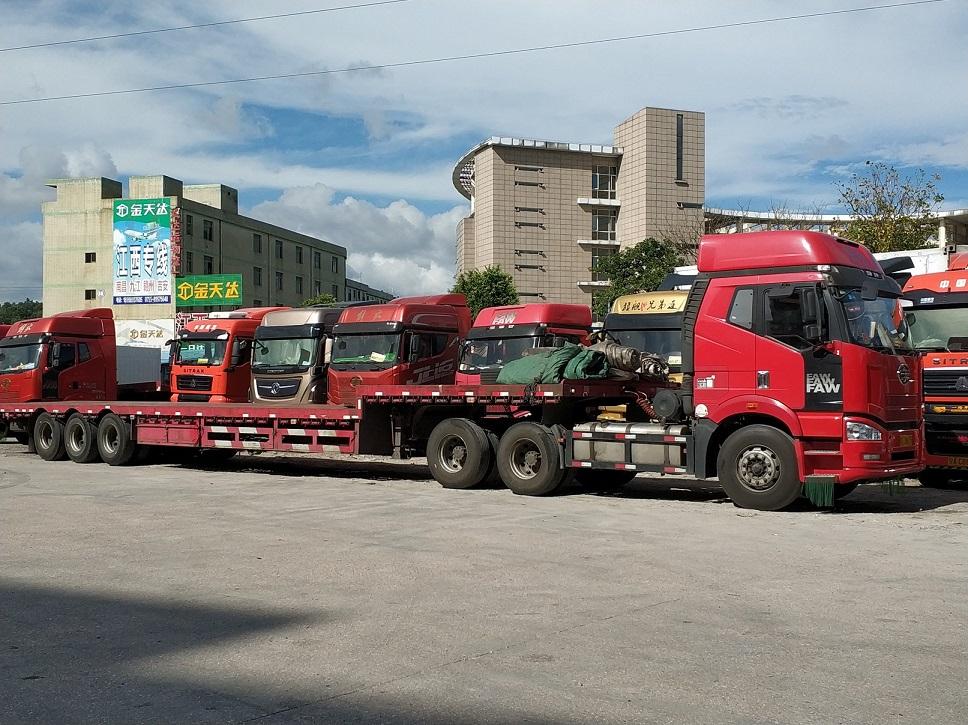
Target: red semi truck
{"x":212,"y":359}
{"x":781,"y":396}
{"x":502,"y":334}
{"x":938,"y":321}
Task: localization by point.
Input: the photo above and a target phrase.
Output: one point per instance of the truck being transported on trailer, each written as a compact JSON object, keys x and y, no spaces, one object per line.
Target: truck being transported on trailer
{"x":649,"y":321}
{"x":781,"y":396}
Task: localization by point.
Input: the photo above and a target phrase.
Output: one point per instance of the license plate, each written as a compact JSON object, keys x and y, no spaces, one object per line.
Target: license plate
{"x":905,"y":440}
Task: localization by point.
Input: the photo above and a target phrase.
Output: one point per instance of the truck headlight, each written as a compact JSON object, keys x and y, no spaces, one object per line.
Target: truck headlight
{"x":862,"y":432}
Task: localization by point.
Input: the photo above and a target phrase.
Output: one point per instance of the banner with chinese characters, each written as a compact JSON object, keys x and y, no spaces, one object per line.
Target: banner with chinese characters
{"x":208,"y":289}
{"x":142,"y":251}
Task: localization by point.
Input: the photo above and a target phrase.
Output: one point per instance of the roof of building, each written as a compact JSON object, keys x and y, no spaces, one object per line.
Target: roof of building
{"x":463,"y":175}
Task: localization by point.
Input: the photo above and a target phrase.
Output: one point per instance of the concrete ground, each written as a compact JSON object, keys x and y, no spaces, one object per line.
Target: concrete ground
{"x":275,"y":590}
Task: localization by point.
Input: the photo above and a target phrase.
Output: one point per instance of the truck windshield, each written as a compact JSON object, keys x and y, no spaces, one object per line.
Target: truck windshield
{"x":665,"y":343}
{"x":201,"y":352}
{"x":876,"y":324}
{"x":293,"y":352}
{"x":16,"y":358}
{"x":481,"y":354}
{"x":372,"y":348}
{"x":932,"y":328}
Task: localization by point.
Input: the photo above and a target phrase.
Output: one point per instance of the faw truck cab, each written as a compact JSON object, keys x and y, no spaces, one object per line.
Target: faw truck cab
{"x":291,"y":353}
{"x":937,"y":315}
{"x":502,"y":334}
{"x":74,"y":356}
{"x":650,"y":322}
{"x":213,"y":356}
{"x":407,"y":341}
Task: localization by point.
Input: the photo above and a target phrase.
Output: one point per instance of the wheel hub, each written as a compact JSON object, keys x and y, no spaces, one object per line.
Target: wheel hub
{"x":453,"y":454}
{"x":526,"y":459}
{"x":758,"y":468}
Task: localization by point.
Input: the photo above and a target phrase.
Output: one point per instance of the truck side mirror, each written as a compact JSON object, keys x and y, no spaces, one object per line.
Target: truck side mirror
{"x":868,"y":290}
{"x":54,"y":355}
{"x":809,"y":307}
{"x":813,"y":333}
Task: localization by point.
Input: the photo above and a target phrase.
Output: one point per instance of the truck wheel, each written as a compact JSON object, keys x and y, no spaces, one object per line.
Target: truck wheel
{"x":114,"y":441}
{"x":80,"y":440}
{"x":603,"y":480}
{"x":458,"y":453}
{"x":49,"y":438}
{"x":937,"y":477}
{"x":757,"y":468}
{"x":529,"y":459}
{"x":493,"y":477}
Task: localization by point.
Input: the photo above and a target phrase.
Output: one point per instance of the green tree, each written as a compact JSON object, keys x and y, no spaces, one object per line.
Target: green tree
{"x":11,"y":312}
{"x":640,"y":268}
{"x":488,"y":287}
{"x":890,"y":212}
{"x":323,"y":298}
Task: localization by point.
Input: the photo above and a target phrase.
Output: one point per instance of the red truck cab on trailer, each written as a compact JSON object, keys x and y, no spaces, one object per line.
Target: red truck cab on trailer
{"x":938,"y":320}
{"x":213,"y":357}
{"x":72,"y":356}
{"x":792,"y":355}
{"x":407,"y":341}
{"x":502,"y":334}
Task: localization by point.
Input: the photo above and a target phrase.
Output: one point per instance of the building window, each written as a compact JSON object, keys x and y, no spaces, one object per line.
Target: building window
{"x":188,"y":266}
{"x":208,"y":230}
{"x":317,"y":260}
{"x":299,"y":285}
{"x":90,"y":257}
{"x":316,"y":287}
{"x":278,"y":249}
{"x":603,"y":182}
{"x":335,"y":291}
{"x":257,"y":244}
{"x":603,"y":224}
{"x":189,"y":224}
{"x":597,"y":256}
{"x":257,"y":303}
{"x":679,"y":176}
{"x":90,"y":294}
{"x":257,"y":276}
{"x":279,"y":281}
{"x":335,"y":265}
{"x":299,"y":254}
{"x":208,"y":264}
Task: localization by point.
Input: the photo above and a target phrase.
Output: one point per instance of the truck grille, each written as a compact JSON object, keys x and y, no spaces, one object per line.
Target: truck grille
{"x":285,"y":388}
{"x":194,"y":382}
{"x":946,"y":382}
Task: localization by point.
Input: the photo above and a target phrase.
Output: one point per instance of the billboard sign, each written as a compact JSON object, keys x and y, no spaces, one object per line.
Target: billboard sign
{"x":144,"y":333}
{"x":208,"y":289}
{"x":142,"y":251}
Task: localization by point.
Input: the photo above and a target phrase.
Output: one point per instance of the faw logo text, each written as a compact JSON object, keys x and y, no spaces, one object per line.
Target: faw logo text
{"x":822,"y":383}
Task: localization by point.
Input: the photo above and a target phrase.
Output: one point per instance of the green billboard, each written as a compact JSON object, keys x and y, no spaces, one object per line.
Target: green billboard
{"x":208,"y":289}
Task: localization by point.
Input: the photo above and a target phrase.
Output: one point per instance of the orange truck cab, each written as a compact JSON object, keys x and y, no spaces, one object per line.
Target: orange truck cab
{"x":937,"y":315}
{"x":407,"y":341}
{"x":73,"y":356}
{"x":503,"y":334}
{"x":212,"y":359}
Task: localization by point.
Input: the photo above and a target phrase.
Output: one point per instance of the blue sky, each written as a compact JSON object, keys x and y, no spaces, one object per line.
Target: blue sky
{"x":364,"y":159}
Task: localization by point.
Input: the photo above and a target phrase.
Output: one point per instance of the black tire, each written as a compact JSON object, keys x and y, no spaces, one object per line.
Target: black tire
{"x":21,"y":437}
{"x":493,"y":477}
{"x":458,"y":453}
{"x":757,"y":468}
{"x":49,"y":438}
{"x":115,"y":443}
{"x":80,"y":439}
{"x":599,"y":479}
{"x":844,"y":489}
{"x":529,"y":459}
{"x":939,"y":477}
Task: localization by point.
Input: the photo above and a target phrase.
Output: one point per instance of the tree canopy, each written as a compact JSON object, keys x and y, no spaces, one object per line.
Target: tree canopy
{"x":11,"y":312}
{"x":323,"y":298}
{"x":892,"y":212}
{"x":640,"y":268}
{"x":488,"y":287}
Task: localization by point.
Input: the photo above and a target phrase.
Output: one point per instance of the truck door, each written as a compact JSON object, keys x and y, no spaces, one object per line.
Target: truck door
{"x":58,"y":383}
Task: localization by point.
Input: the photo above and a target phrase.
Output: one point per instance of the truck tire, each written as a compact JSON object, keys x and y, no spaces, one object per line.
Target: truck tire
{"x":493,"y":477}
{"x":115,"y":444}
{"x":80,"y":440}
{"x":757,"y":468}
{"x":937,"y":477}
{"x":599,"y":479}
{"x":49,"y":438}
{"x":458,"y":453}
{"x":529,"y":459}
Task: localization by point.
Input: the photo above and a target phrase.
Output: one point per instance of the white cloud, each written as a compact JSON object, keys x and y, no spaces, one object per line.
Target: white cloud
{"x":396,"y":247}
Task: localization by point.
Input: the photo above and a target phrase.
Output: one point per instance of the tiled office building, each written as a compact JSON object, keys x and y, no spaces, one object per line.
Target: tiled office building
{"x":545,"y":211}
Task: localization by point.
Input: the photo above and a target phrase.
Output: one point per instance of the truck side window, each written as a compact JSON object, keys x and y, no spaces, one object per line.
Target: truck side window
{"x":83,"y":352}
{"x":784,"y":321}
{"x":64,"y":357}
{"x":741,"y":311}
{"x":428,"y":345}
